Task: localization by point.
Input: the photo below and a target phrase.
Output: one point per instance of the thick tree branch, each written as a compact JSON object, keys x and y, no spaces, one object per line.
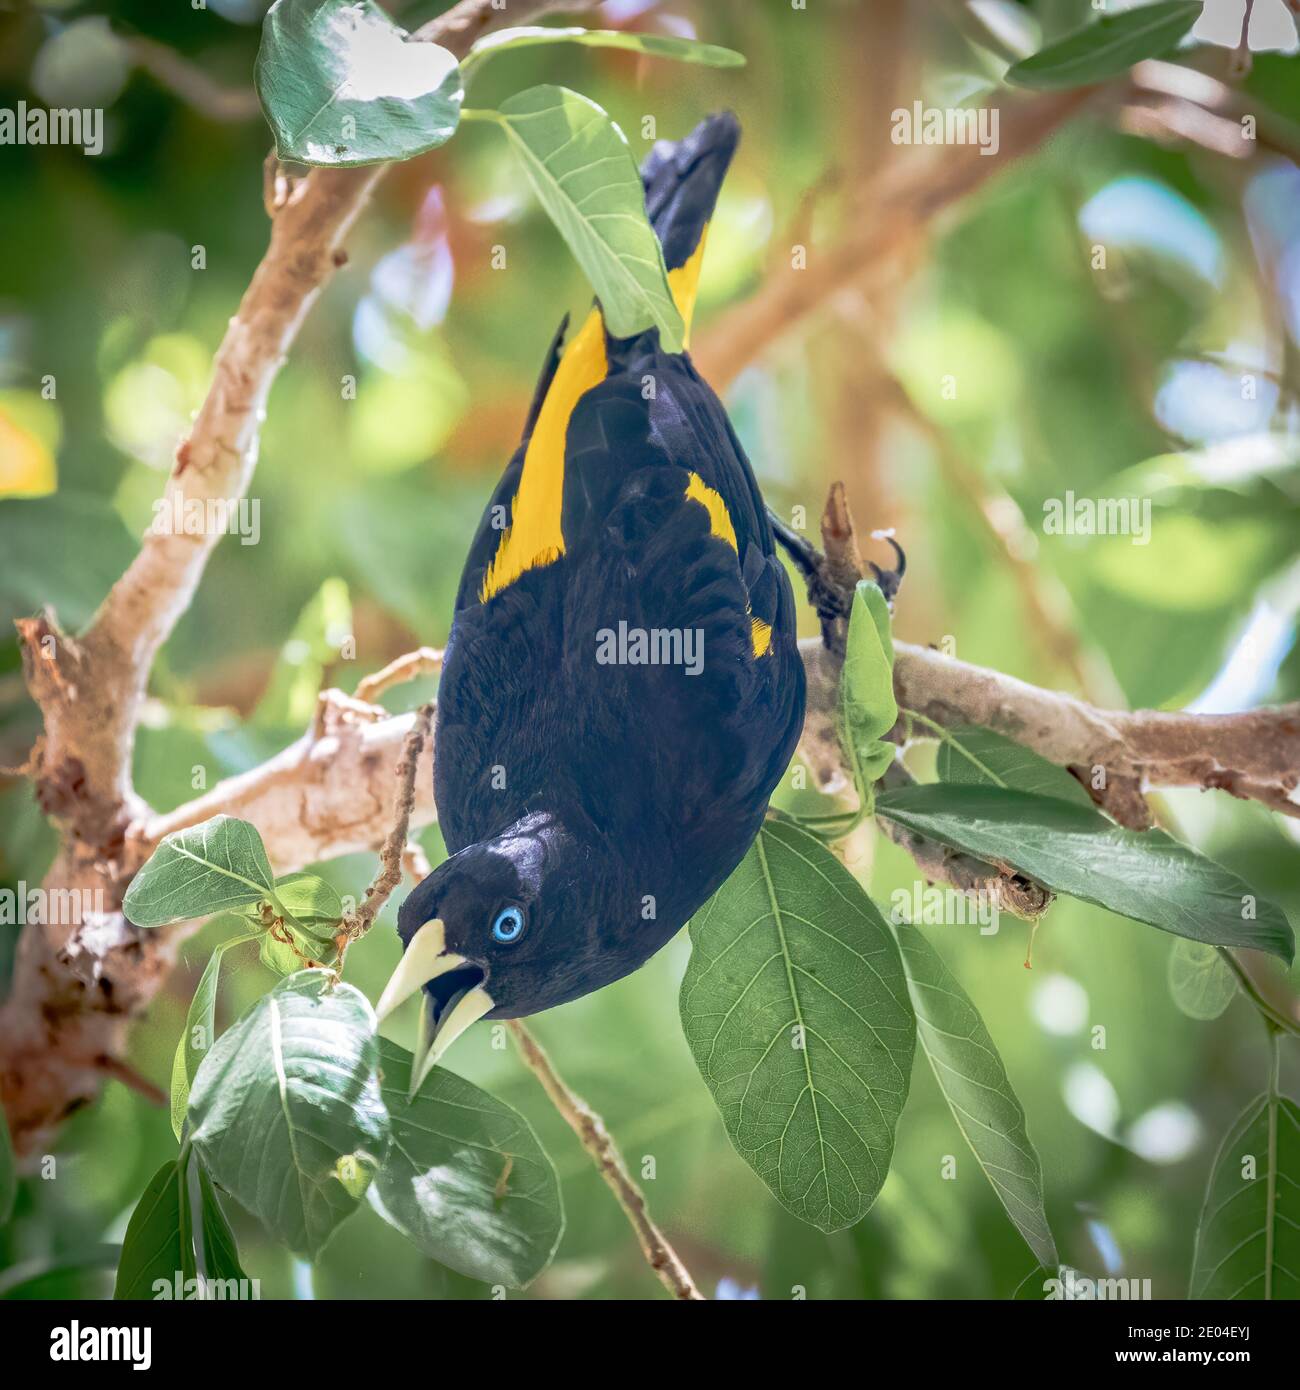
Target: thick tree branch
{"x":1254,"y":755}
{"x":70,"y":1000}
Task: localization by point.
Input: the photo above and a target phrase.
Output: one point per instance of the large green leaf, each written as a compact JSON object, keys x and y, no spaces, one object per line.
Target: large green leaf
{"x":199,"y":1032}
{"x":654,"y":45}
{"x":867,"y":706}
{"x":976,"y":756}
{"x":1107,"y":47}
{"x":342,"y":85}
{"x":1248,"y":1240}
{"x":159,"y":1242}
{"x":212,"y":867}
{"x":578,"y":161}
{"x":1073,"y":849}
{"x":974,"y":1082}
{"x":286,"y":1112}
{"x":466,"y":1179}
{"x":796,"y":1009}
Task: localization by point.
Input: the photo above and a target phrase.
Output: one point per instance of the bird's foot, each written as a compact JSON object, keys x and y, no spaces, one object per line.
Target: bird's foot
{"x":890,"y":581}
{"x":831,"y":581}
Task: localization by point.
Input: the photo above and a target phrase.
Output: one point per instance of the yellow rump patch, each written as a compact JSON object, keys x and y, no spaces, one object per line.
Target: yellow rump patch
{"x":719,"y":518}
{"x":685,"y":284}
{"x":534,"y":536}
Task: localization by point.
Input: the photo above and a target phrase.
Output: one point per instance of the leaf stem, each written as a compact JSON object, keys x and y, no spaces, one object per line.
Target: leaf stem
{"x":1276,"y":1021}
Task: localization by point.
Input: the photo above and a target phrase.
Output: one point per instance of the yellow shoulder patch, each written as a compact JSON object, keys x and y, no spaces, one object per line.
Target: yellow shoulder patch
{"x":535,"y":536}
{"x":711,"y":500}
{"x":760,"y":633}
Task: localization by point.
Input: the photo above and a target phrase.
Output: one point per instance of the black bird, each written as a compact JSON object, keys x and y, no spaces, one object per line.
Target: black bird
{"x":621,"y":689}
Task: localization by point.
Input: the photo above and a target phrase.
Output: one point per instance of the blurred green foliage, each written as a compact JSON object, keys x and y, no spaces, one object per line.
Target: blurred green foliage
{"x":1070,"y":379}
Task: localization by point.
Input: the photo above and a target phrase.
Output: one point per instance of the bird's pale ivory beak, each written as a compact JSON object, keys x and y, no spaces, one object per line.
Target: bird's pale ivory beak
{"x":425,"y":959}
{"x":435,"y":1038}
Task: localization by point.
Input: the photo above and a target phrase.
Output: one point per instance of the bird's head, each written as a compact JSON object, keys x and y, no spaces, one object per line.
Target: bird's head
{"x":504,"y":928}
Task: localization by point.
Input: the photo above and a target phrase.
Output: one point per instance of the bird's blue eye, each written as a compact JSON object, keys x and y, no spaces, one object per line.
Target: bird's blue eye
{"x":509,"y":925}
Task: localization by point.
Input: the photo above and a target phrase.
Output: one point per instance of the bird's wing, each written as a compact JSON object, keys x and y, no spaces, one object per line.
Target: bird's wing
{"x":667,"y":535}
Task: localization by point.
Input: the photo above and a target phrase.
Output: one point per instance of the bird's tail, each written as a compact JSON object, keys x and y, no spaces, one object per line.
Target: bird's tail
{"x":682,"y":179}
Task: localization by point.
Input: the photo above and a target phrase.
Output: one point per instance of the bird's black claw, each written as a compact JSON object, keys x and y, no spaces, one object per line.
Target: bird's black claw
{"x":890,"y":581}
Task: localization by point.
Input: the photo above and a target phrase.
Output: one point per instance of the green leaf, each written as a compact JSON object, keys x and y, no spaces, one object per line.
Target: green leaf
{"x":867,"y":707}
{"x":795,"y":1007}
{"x":974,"y":1082}
{"x":1248,"y":1240}
{"x":314,"y":905}
{"x":466,"y":1179}
{"x":655,"y":45}
{"x":342,"y":85}
{"x":8,"y":1170}
{"x":1108,"y":47}
{"x":158,"y":1242}
{"x":199,"y":1032}
{"x":286,"y":1113}
{"x":1073,"y":849}
{"x":207,"y":868}
{"x":1201,"y":984}
{"x":975,"y":757}
{"x":315,"y":910}
{"x":220,"y":1253}
{"x":579,"y":163}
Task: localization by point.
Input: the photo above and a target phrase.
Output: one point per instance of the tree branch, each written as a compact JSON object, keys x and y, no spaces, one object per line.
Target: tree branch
{"x":77,"y":983}
{"x":886,"y":220}
{"x":1254,"y":755}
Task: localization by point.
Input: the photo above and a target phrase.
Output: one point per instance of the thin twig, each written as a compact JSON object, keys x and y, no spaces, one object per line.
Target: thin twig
{"x":424,"y":661}
{"x":128,"y":1076}
{"x":596,"y":1139}
{"x":190,"y":82}
{"x":389,"y":874}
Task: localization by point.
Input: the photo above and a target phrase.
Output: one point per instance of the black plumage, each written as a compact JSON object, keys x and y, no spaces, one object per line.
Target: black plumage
{"x":606,"y":800}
